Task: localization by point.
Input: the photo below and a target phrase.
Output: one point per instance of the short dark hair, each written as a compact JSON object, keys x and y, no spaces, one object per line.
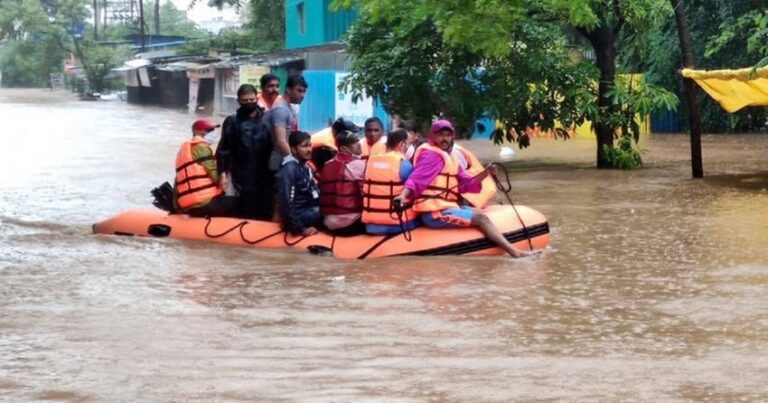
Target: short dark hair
{"x":395,"y":137}
{"x":246,"y":89}
{"x":296,"y":81}
{"x":266,"y":78}
{"x":374,"y":119}
{"x":297,"y":137}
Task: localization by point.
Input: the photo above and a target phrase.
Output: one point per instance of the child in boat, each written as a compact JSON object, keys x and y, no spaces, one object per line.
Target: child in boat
{"x":297,"y":190}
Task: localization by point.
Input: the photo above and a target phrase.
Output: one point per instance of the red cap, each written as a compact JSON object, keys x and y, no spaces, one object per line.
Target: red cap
{"x":204,"y":125}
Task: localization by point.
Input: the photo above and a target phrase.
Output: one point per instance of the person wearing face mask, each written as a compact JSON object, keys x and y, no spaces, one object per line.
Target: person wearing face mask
{"x":384,"y":177}
{"x":243,"y":155}
{"x":197,"y":187}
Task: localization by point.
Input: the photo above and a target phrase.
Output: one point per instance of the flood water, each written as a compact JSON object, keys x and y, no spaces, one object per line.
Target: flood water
{"x":653,"y":288}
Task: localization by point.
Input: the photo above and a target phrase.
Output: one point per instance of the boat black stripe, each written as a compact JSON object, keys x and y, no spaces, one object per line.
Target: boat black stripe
{"x":376,"y":245}
{"x":481,"y":244}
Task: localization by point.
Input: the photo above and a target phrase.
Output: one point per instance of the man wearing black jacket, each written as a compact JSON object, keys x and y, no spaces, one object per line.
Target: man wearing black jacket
{"x":243,"y":154}
{"x":297,"y":189}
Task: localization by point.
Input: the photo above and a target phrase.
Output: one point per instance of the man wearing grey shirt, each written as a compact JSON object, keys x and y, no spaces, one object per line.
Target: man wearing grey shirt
{"x":282,"y":120}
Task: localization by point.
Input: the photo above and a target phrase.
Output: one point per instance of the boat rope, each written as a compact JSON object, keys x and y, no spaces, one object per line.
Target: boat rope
{"x":506,"y":188}
{"x":239,"y":226}
{"x":399,"y":211}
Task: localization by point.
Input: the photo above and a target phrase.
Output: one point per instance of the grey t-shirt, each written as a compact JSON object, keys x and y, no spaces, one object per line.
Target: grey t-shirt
{"x":281,"y":115}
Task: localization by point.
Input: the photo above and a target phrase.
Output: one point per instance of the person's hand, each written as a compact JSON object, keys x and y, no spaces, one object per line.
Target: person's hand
{"x":309,"y":231}
{"x":491,"y":169}
{"x":399,"y":200}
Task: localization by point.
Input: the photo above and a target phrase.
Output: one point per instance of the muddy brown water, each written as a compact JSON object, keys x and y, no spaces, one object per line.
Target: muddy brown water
{"x":653,"y":288}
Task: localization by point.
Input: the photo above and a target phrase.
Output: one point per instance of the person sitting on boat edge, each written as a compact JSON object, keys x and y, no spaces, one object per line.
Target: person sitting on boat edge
{"x":384,"y":177}
{"x":297,"y":190}
{"x":374,"y":142}
{"x":341,"y":200}
{"x":435,"y":185}
{"x":198,"y":187}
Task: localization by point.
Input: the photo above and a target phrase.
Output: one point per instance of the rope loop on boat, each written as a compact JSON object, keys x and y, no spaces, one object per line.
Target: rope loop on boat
{"x":505,"y":187}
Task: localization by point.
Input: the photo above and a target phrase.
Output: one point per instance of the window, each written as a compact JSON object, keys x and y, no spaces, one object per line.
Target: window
{"x":302,"y":19}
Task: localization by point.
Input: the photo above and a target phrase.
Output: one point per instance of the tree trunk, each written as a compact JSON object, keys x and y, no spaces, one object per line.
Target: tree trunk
{"x":690,"y":89}
{"x":603,"y":41}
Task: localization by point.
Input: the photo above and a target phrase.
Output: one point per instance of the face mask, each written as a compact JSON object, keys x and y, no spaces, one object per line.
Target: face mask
{"x":250,"y":107}
{"x":212,"y":138}
{"x":410,"y":151}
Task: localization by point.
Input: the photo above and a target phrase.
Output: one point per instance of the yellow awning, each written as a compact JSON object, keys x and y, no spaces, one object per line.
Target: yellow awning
{"x":733,"y":89}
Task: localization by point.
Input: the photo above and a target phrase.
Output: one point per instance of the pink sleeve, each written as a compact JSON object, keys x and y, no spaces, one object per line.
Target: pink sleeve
{"x":355,"y":171}
{"x":426,"y":168}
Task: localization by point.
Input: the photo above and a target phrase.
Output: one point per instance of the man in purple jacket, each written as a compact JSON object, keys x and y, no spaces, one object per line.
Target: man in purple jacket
{"x":437,"y":180}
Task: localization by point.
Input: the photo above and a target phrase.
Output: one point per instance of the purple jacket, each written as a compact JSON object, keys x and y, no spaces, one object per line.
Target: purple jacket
{"x":428,"y":166}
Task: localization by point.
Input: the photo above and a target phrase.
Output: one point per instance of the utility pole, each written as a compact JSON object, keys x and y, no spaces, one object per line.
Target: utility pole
{"x":157,"y":17}
{"x":142,"y":39}
{"x":95,"y":20}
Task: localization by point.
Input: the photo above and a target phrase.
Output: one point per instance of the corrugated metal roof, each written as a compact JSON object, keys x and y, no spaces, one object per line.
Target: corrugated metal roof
{"x":280,"y":57}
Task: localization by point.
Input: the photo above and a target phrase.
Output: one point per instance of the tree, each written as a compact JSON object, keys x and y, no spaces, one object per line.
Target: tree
{"x":53,"y":24}
{"x":508,"y":36}
{"x":264,"y":28}
{"x":724,"y":34}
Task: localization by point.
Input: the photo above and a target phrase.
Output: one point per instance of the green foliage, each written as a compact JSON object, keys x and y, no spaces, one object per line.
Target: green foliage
{"x":635,"y":101}
{"x":264,"y":29}
{"x":624,"y":155}
{"x":47,"y":32}
{"x":414,"y":73}
{"x":509,"y":59}
{"x":720,"y":35}
{"x":28,"y":63}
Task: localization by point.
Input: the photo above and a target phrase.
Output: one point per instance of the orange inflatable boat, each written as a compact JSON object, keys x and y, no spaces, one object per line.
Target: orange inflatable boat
{"x":529,"y":230}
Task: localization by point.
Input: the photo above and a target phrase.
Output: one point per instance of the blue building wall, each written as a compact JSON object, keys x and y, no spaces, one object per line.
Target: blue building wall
{"x":321,"y":25}
{"x":318,"y":109}
{"x":665,"y":122}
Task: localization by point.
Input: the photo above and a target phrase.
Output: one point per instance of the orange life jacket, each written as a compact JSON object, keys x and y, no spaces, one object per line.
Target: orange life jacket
{"x":380,"y":147}
{"x":474,"y":167}
{"x":193,"y":183}
{"x":382,"y":183}
{"x":443,"y":192}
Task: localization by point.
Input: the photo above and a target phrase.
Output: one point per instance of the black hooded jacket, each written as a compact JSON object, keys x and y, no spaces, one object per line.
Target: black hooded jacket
{"x":244,"y":151}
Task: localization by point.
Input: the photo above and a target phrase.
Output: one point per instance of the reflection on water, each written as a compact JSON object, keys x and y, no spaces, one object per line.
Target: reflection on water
{"x":653,"y":287}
